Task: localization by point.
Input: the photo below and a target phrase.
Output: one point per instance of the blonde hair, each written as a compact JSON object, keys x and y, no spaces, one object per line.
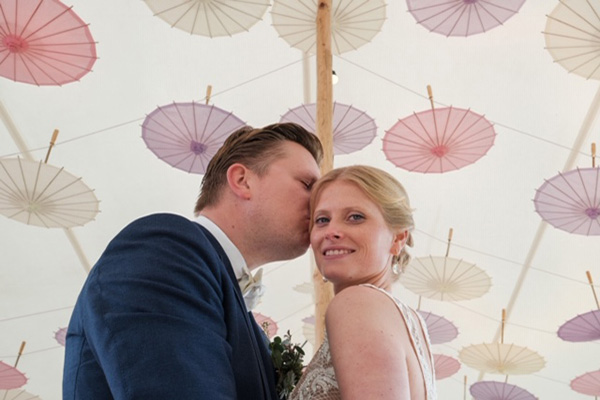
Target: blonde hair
{"x":384,"y":190}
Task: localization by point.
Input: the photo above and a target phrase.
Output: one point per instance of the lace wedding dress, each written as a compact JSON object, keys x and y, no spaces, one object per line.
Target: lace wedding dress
{"x":318,"y":380}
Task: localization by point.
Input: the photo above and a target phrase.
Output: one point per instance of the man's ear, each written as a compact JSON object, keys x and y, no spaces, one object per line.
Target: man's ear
{"x":399,"y":242}
{"x":238,"y":176}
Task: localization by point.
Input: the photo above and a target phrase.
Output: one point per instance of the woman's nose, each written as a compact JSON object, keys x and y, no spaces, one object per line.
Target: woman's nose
{"x":332,"y":234}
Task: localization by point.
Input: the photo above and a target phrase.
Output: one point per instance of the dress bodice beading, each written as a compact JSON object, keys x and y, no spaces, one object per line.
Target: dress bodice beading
{"x":318,"y":380}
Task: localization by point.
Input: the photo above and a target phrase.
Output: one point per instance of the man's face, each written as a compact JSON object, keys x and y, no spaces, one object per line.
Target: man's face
{"x":280,"y":211}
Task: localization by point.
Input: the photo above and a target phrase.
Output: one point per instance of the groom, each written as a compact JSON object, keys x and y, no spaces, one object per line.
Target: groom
{"x":162,"y":315}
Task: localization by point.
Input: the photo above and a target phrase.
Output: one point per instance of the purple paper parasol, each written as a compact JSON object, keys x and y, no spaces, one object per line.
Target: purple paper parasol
{"x":187,"y":135}
{"x":462,"y":17}
{"x":571,"y":201}
{"x":61,"y":336}
{"x":582,"y":328}
{"x":588,"y":383}
{"x":353,"y":129}
{"x":444,"y":366}
{"x":439,"y":328}
{"x":491,"y":390}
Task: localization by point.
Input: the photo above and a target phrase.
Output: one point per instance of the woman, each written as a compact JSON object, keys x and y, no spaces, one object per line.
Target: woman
{"x":375,"y":347}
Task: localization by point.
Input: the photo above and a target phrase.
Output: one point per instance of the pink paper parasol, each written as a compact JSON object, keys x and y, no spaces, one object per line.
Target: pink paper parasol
{"x":11,"y":377}
{"x":266,"y":323}
{"x":439,"y":328}
{"x":43,"y":42}
{"x":588,"y":383}
{"x":571,"y":201}
{"x":187,"y":135}
{"x":353,"y":129}
{"x":438,"y":140}
{"x":444,"y":366}
{"x":491,"y":390}
{"x":61,"y":336}
{"x":582,"y":328}
{"x":462,"y":17}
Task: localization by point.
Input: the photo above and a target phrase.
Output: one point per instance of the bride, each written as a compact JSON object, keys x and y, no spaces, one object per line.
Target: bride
{"x":375,"y":347}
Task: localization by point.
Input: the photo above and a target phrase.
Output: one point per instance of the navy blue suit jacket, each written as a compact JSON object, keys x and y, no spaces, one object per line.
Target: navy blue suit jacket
{"x":161,"y":316}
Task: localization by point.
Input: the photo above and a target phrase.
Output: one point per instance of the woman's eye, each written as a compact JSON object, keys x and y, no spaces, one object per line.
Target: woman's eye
{"x":321,"y":220}
{"x":356,"y":217}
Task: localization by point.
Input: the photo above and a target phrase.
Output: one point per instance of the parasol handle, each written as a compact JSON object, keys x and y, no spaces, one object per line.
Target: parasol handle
{"x":449,"y":240}
{"x":208,"y":93}
{"x":52,"y":143}
{"x":20,"y":353}
{"x":465,"y":389}
{"x":589,"y":276}
{"x":593,"y":155}
{"x":503,"y":322}
{"x":430,"y":95}
{"x":419,"y":304}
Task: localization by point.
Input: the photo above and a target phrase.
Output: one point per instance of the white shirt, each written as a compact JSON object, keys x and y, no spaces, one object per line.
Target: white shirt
{"x":251,"y":286}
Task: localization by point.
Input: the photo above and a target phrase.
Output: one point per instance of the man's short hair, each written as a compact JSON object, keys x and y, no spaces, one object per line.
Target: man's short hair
{"x":256,"y":148}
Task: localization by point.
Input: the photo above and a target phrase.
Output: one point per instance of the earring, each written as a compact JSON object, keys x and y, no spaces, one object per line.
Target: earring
{"x":395,"y":267}
{"x":324,"y":279}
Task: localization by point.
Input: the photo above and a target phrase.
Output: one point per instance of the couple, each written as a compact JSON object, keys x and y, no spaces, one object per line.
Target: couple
{"x":162,"y":314}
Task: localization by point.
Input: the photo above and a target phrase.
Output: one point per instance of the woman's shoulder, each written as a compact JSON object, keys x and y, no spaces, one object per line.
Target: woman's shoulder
{"x":363,"y":305}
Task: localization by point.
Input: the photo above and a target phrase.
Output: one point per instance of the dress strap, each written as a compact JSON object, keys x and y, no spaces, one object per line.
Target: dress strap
{"x":408,"y":315}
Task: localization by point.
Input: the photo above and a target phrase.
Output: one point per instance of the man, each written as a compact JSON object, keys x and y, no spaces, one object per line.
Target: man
{"x":161,"y":315}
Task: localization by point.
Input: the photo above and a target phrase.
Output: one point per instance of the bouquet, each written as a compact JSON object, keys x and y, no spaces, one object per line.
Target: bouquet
{"x":288,"y":361}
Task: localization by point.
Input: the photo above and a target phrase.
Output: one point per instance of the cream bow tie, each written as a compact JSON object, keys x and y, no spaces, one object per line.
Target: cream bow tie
{"x":252,"y":288}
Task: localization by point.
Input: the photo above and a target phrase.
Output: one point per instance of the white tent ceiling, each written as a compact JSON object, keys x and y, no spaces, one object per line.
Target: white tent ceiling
{"x":538,"y":108}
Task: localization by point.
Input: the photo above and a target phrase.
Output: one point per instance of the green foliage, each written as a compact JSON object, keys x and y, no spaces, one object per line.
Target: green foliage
{"x":288,"y":360}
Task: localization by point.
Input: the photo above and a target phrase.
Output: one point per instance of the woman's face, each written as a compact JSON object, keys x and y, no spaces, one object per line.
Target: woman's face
{"x":350,"y":239}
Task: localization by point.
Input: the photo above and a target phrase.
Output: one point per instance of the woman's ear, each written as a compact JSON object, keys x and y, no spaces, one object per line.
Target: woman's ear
{"x":399,"y":242}
{"x":238,"y":176}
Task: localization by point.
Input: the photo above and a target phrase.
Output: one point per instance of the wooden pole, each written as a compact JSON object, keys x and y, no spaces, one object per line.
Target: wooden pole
{"x":323,"y":290}
{"x":52,"y":143}
{"x":449,"y":240}
{"x":208,"y":93}
{"x":589,"y":276}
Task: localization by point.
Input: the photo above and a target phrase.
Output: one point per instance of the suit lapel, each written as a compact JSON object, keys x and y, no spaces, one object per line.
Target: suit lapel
{"x":254,"y":332}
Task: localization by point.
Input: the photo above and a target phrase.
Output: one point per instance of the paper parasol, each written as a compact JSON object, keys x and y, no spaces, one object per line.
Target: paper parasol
{"x":571,"y":201}
{"x":588,"y":383}
{"x":572,"y":32}
{"x":501,"y":358}
{"x":462,"y":17}
{"x":444,"y":366}
{"x":44,"y":43}
{"x":266,"y":323}
{"x":308,"y":329}
{"x":439,"y":328}
{"x":187,"y":135}
{"x":445,"y":279}
{"x":438,"y":140}
{"x":491,"y":390}
{"x":17,"y":394}
{"x":11,"y":377}
{"x":40,"y":194}
{"x":353,"y":23}
{"x":61,"y":336}
{"x":353,"y":129}
{"x":210,"y":17}
{"x":584,"y":327}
